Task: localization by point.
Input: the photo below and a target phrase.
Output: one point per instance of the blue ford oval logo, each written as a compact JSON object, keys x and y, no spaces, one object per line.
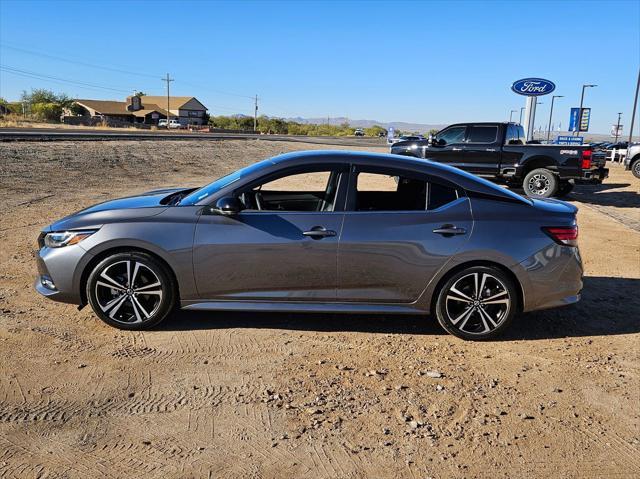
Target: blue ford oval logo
{"x":533,"y":87}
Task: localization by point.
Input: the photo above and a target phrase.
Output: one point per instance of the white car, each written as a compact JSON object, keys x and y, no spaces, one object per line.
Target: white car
{"x":391,"y":141}
{"x":172,"y":124}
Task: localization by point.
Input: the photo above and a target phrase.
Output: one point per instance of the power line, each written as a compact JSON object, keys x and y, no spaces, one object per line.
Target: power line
{"x":41,"y":76}
{"x":76,"y":62}
{"x":116,"y":70}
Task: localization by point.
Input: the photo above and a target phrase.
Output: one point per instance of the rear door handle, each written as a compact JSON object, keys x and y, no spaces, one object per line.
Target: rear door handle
{"x":449,"y":230}
{"x":319,"y":232}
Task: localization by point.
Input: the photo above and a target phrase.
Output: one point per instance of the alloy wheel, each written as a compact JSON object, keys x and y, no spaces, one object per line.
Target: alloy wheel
{"x":128,"y":292}
{"x":477,"y":303}
{"x":539,"y":184}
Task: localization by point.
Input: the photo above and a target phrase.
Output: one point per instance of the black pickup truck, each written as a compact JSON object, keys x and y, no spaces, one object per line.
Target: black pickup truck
{"x":499,"y":151}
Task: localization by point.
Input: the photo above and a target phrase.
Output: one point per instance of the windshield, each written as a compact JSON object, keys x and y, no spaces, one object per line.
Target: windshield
{"x":208,"y":190}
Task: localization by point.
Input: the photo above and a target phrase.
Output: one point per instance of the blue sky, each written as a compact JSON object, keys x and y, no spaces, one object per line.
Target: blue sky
{"x":427,"y":62}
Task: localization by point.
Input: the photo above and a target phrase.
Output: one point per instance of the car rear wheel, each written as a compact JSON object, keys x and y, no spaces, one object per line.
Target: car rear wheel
{"x":131,"y":291}
{"x":476,"y":303}
{"x":540,"y":182}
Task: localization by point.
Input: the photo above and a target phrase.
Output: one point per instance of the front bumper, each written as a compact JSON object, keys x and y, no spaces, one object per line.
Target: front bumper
{"x":59,"y":273}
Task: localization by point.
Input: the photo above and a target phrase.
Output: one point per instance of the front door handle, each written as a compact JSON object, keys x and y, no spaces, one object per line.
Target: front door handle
{"x":319,"y":232}
{"x":449,"y":230}
{"x":456,"y":149}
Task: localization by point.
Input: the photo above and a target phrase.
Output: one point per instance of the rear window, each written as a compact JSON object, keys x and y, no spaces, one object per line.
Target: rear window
{"x":440,"y":195}
{"x":483,"y":134}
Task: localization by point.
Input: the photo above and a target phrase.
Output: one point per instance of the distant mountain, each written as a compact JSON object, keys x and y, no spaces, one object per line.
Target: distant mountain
{"x":398,"y":125}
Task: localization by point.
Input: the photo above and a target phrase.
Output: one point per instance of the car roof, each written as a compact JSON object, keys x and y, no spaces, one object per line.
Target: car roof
{"x":465,"y":180}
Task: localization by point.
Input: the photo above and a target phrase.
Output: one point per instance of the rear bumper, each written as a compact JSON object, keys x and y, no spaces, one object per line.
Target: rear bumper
{"x":594,"y":176}
{"x":555,"y":277}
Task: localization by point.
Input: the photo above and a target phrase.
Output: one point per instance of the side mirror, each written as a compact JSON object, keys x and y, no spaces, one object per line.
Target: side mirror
{"x":227,"y":206}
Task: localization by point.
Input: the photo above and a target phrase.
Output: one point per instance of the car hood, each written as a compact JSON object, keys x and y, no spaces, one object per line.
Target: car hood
{"x":121,"y":209}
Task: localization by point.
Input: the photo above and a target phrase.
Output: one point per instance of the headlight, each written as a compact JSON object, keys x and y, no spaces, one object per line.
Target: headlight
{"x":65,"y":238}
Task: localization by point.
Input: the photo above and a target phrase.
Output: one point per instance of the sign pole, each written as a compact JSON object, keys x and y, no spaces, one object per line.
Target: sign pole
{"x":618,"y":127}
{"x":635,"y":104}
{"x":529,"y":117}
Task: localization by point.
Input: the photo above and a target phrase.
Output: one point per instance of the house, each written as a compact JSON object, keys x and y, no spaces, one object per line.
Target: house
{"x":145,"y":109}
{"x":186,"y":109}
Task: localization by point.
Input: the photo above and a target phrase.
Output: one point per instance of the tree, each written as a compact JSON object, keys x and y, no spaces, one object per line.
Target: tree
{"x":47,"y":111}
{"x":375,"y":130}
{"x":45,"y":104}
{"x":39,"y":95}
{"x":433,"y":131}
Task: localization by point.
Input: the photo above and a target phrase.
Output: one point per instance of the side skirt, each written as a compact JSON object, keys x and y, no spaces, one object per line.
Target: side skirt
{"x":301,"y":307}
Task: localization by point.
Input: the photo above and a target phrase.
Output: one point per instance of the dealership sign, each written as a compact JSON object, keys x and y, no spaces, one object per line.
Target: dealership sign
{"x":533,"y":87}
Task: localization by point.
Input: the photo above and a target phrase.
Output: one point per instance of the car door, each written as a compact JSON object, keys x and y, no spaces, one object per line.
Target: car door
{"x":282,"y":246}
{"x":400,"y":228}
{"x":448,"y":146}
{"x":482,"y":150}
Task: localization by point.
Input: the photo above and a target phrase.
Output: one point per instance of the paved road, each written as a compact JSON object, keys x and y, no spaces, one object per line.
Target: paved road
{"x":53,"y":134}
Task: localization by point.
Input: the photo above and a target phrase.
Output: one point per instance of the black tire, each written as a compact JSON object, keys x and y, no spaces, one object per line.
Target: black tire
{"x":635,"y":168}
{"x":564,"y":189}
{"x":541,"y":183}
{"x":461,"y":314}
{"x":141,"y":305}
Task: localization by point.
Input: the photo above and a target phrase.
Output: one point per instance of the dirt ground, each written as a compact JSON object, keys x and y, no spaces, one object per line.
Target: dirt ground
{"x":298,"y":395}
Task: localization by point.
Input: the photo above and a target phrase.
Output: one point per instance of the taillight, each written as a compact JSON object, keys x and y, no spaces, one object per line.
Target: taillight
{"x":586,"y":159}
{"x":564,"y":235}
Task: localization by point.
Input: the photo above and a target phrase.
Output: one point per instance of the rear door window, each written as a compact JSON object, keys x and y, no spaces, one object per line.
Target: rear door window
{"x":515,"y":135}
{"x":396,"y":190}
{"x":483,"y":134}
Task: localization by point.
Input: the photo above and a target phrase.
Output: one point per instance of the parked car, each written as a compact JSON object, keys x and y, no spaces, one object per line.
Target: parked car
{"x":498,"y":151}
{"x":632,"y":160}
{"x":398,"y":139}
{"x":359,"y":132}
{"x":324,"y":232}
{"x":171,"y":124}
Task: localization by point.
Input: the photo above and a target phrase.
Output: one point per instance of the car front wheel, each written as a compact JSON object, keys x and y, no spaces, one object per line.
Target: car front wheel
{"x":131,"y":291}
{"x":476,"y":303}
{"x":635,"y":168}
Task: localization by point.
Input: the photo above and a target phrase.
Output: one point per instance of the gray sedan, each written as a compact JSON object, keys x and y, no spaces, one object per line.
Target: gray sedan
{"x":327,"y":231}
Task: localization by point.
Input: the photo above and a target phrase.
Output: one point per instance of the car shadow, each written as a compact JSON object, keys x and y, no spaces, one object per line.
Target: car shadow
{"x":603,"y":196}
{"x":609,"y":306}
{"x":599,"y":195}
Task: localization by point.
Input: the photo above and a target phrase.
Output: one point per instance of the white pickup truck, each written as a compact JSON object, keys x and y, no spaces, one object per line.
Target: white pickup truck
{"x":172,"y":124}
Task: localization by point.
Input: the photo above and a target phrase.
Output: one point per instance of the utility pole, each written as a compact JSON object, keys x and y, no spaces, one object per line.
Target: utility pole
{"x":521,"y":110}
{"x":511,"y":114}
{"x":551,"y":115}
{"x":618,"y":127}
{"x":635,"y":104}
{"x":255,"y":115}
{"x":168,"y":80}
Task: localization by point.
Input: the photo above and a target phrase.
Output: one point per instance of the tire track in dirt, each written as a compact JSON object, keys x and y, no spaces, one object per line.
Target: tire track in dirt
{"x":146,"y":403}
{"x":214,"y":348}
{"x":71,"y":341}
